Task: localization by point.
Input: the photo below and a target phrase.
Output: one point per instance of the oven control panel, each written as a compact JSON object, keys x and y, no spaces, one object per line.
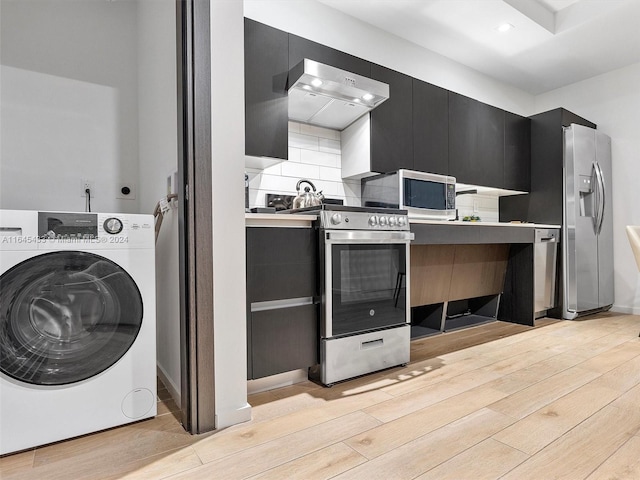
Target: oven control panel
{"x":343,"y":220}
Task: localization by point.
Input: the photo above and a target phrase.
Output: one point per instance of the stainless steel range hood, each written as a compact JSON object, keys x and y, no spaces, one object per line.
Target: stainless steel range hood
{"x":326,"y":96}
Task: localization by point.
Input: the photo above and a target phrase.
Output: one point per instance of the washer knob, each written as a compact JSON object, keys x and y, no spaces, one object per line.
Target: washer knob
{"x":336,"y":219}
{"x":373,"y":220}
{"x":112,"y":225}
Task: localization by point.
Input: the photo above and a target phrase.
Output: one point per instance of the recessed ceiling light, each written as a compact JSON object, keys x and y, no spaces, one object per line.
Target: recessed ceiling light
{"x":505,"y":27}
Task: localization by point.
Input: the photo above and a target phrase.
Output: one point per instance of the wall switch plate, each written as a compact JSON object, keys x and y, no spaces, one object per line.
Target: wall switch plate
{"x":87,"y":184}
{"x":126,"y":191}
{"x":475,"y":206}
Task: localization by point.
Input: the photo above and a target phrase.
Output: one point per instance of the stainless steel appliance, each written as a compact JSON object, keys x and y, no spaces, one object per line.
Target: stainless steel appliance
{"x":424,"y":195}
{"x":545,"y":257}
{"x":329,"y":97}
{"x":587,"y":229}
{"x":364,"y":284}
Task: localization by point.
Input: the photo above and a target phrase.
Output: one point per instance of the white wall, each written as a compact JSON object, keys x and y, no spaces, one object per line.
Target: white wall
{"x":158,"y":149}
{"x":68,"y":104}
{"x":325,"y":25}
{"x":612,"y":101}
{"x":229,"y":290}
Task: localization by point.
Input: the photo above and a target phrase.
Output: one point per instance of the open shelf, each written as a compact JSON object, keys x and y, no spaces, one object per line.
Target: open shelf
{"x":453,"y":315}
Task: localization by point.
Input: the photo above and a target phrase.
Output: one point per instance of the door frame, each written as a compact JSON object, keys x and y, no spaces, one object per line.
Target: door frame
{"x":195,"y":215}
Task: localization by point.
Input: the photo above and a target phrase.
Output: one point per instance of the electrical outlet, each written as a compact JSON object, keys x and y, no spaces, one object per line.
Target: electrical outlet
{"x":475,"y":206}
{"x":87,"y":184}
{"x":126,"y":191}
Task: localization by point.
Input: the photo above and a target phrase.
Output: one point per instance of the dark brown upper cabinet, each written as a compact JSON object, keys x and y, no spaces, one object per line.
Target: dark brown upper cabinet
{"x":392,"y":123}
{"x":430,"y":128}
{"x":266,"y":64}
{"x":517,"y":152}
{"x":476,"y":142}
{"x":301,"y":48}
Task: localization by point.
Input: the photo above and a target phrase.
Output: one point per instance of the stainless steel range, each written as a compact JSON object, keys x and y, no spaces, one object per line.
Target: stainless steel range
{"x":364,"y":285}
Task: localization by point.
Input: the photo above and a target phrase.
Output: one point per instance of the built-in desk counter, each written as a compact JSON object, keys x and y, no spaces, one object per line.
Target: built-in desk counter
{"x":431,"y":232}
{"x":485,"y":268}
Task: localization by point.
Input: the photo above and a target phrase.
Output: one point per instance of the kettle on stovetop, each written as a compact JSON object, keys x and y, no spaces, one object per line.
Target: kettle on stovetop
{"x":307,"y":199}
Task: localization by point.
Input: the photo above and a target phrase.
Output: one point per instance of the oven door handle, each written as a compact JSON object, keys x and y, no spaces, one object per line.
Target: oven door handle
{"x":367,"y":236}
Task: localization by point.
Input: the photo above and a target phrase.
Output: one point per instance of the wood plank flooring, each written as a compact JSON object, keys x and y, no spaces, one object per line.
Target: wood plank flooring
{"x":496,"y":401}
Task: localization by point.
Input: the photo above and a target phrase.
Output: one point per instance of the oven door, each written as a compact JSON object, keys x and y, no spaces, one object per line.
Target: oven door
{"x":366,"y":281}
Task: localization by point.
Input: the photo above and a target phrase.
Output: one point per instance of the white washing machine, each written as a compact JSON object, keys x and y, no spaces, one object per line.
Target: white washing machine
{"x":77,"y":324}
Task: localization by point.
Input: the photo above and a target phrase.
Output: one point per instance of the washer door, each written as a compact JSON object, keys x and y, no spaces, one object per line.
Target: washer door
{"x":65,"y":317}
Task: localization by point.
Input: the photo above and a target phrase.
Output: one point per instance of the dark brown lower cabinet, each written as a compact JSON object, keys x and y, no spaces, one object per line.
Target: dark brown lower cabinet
{"x":282,"y":300}
{"x":283,"y":339}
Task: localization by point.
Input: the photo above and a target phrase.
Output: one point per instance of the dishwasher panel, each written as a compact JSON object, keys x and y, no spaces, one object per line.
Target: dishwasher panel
{"x":544,"y":273}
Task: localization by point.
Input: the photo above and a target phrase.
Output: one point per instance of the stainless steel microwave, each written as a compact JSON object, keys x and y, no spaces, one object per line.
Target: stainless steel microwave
{"x":424,"y":195}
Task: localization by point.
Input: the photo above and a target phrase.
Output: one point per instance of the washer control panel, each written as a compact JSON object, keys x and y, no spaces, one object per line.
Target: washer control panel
{"x":106,"y":229}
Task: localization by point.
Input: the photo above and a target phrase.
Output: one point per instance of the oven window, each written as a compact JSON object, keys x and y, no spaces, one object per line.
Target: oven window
{"x":368,"y":287}
{"x":425,"y":194}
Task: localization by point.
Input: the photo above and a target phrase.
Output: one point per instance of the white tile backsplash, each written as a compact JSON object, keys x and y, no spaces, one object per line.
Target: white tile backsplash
{"x":315,"y":155}
{"x":329,"y":146}
{"x":483,"y":206}
{"x":320,"y":132}
{"x":307,"y":142}
{"x":300,"y":170}
{"x":324,"y":159}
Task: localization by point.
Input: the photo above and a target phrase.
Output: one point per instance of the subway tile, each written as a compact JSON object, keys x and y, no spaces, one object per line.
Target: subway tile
{"x":353,"y":201}
{"x":294,"y":127}
{"x":329,"y":146}
{"x":306,"y":142}
{"x":273,"y":169}
{"x":255,"y":199}
{"x":294,"y":154}
{"x":300,"y":170}
{"x":319,"y":158}
{"x":254,"y":179}
{"x":321,"y":132}
{"x":276,"y":183}
{"x":330,"y":173}
{"x":329,"y":189}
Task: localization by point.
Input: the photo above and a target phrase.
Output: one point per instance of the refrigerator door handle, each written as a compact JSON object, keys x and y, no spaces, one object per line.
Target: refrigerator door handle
{"x":601,"y":197}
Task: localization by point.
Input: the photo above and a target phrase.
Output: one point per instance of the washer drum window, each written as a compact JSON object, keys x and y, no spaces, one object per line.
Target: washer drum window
{"x":65,"y":317}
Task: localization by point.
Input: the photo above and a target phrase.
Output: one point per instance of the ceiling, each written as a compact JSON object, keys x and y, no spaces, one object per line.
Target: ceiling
{"x":553,"y":42}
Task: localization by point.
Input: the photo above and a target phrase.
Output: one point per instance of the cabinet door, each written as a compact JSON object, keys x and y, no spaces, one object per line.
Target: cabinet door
{"x":266,"y":66}
{"x":490,"y":147}
{"x":517,"y":152}
{"x":430,"y":128}
{"x":391,"y":123}
{"x":283,"y":339}
{"x":301,"y":48}
{"x":463,"y":162}
{"x":476,"y":142}
{"x":281,"y":263}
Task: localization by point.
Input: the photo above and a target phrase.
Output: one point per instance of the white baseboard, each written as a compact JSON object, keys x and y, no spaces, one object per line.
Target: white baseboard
{"x":173,"y":389}
{"x":276,"y":381}
{"x":626,"y":309}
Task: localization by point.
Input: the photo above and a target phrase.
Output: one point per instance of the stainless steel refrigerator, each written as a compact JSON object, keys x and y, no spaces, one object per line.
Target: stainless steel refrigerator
{"x":587,"y":227}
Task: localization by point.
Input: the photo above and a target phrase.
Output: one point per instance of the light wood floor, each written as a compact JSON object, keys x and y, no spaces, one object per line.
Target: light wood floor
{"x":561,"y":400}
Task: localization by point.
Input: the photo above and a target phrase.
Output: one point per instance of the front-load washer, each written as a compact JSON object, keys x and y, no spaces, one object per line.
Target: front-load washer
{"x":77,"y":324}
